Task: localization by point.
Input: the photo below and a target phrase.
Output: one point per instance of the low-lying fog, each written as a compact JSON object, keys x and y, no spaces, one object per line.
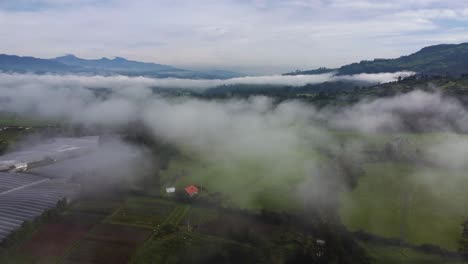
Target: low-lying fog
{"x":278,"y":138}
{"x":119,"y":81}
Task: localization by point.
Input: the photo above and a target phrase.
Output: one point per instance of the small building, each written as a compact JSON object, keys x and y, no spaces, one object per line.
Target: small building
{"x":18,"y":167}
{"x":320,"y":247}
{"x":191,"y":190}
{"x":170,"y":190}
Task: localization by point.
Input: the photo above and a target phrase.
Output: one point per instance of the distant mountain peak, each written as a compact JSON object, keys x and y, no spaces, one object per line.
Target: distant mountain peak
{"x":120,"y":59}
{"x":70,"y":63}
{"x":74,"y":57}
{"x":67,"y":56}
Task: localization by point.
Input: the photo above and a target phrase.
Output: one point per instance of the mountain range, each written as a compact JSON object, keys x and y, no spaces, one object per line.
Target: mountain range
{"x":443,"y":59}
{"x":104,"y":66}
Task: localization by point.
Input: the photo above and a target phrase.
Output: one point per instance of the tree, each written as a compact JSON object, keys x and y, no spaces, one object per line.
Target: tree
{"x":463,"y":248}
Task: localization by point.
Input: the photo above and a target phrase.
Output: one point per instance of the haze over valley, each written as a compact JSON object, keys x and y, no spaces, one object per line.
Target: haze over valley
{"x":291,"y":137}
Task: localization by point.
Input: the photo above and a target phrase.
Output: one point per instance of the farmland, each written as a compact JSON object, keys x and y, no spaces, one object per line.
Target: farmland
{"x":396,"y":199}
{"x":81,"y":234}
{"x":87,"y":234}
{"x":394,"y":196}
{"x":248,"y":208}
{"x":139,"y":229}
{"x":394,"y":254}
{"x":257,"y":181}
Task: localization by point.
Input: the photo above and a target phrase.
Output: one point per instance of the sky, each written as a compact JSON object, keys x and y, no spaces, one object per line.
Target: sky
{"x":248,"y":36}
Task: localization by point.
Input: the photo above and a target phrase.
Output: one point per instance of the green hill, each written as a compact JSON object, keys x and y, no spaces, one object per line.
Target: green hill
{"x":444,"y":59}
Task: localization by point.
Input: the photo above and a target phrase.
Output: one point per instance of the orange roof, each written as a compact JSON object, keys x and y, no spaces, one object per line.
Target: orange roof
{"x":191,"y":190}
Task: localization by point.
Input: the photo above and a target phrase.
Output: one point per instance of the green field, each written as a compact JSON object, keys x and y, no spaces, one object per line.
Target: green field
{"x":391,"y":255}
{"x":193,"y":248}
{"x":395,"y":200}
{"x":119,"y":217}
{"x":142,"y":212}
{"x":245,"y":183}
{"x":421,"y":205}
{"x":8,"y":137}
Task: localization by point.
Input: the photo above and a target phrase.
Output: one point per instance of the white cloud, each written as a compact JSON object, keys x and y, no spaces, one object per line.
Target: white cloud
{"x":465,"y":12}
{"x":277,"y":139}
{"x":137,"y":87}
{"x":256,"y":36}
{"x":375,"y":77}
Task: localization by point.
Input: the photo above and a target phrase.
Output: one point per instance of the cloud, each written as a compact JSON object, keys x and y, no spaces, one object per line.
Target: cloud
{"x":130,"y":98}
{"x":255,"y":146}
{"x":285,"y":36}
{"x":139,"y":86}
{"x":415,"y":111}
{"x":375,"y":77}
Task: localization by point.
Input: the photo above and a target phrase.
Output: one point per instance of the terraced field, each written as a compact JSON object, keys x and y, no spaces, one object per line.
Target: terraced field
{"x":123,"y":230}
{"x":143,"y":212}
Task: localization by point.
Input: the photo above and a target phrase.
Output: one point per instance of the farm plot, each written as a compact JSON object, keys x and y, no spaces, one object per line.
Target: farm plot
{"x":52,"y":240}
{"x":142,"y":212}
{"x":258,"y":181}
{"x":95,"y":206}
{"x":177,"y":215}
{"x":396,"y":201}
{"x":108,"y":243}
{"x":194,"y":248}
{"x":200,"y":215}
{"x":119,"y":233}
{"x":391,"y":254}
{"x":102,"y":252}
{"x":230,"y":225}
